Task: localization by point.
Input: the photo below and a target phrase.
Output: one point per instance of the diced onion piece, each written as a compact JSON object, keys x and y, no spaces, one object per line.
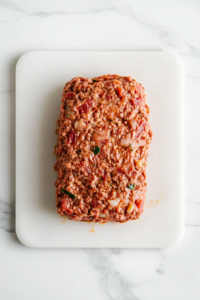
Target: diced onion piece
{"x":103,"y":216}
{"x":132,"y":90}
{"x":126,"y":201}
{"x":110,"y":207}
{"x":69,"y":112}
{"x":140,"y":163}
{"x":76,"y":124}
{"x":95,"y":96}
{"x":93,"y":124}
{"x":125,"y":142}
{"x":130,"y":208}
{"x":114,"y":202}
{"x":132,"y":123}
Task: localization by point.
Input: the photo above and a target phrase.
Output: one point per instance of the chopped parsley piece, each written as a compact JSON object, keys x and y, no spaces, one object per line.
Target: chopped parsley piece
{"x":74,"y":175}
{"x":131,"y":148}
{"x":131,"y":186}
{"x":79,"y":151}
{"x":96,"y":150}
{"x":94,"y":80}
{"x":68,"y":193}
{"x":110,"y":184}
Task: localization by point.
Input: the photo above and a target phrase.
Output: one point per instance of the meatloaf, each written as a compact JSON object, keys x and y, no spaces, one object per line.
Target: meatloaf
{"x":103,"y":140}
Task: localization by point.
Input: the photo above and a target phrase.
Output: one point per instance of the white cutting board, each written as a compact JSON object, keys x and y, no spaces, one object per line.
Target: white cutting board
{"x":40,"y":77}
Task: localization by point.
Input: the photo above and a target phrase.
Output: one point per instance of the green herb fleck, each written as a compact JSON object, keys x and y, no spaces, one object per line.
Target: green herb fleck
{"x":130,"y":145}
{"x":93,"y":165}
{"x":74,"y":175}
{"x":131,"y":186}
{"x":131,"y":150}
{"x":110,"y":184}
{"x":94,"y":80}
{"x":96,"y":150}
{"x":79,"y":151}
{"x":68,"y":193}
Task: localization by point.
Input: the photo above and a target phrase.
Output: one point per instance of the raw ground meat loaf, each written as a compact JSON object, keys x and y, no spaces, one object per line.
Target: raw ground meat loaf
{"x":103,"y":140}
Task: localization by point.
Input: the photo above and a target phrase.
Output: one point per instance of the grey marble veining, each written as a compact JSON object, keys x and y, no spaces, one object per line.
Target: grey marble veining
{"x":7,"y":216}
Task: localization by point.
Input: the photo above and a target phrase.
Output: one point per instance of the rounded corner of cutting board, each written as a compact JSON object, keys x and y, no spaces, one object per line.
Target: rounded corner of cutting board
{"x":176,"y":60}
{"x":176,"y":238}
{"x":23,"y":58}
{"x":23,"y":237}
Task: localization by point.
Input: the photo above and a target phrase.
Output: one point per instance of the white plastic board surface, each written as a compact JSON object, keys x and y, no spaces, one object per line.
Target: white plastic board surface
{"x":40,"y":78}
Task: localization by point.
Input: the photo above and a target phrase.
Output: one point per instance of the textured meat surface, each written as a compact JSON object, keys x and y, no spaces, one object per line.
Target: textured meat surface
{"x":103,"y":140}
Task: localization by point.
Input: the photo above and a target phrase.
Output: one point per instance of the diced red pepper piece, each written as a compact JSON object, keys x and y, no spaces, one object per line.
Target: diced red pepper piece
{"x":102,"y":94}
{"x":103,"y":142}
{"x":102,"y":154}
{"x":121,"y":171}
{"x":140,"y":205}
{"x":66,"y":207}
{"x":105,"y":212}
{"x":141,"y":128}
{"x":69,"y":96}
{"x":104,"y":175}
{"x":119,"y":91}
{"x":94,"y":203}
{"x":87,"y":171}
{"x":136,"y":101}
{"x":85,"y":107}
{"x":138,"y":88}
{"x":72,"y":137}
{"x":69,"y":211}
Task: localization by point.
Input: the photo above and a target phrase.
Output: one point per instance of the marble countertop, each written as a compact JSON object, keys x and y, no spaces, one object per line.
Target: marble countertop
{"x":109,"y":274}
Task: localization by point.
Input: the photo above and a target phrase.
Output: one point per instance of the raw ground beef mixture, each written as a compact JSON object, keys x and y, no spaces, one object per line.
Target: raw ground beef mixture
{"x":103,"y":140}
